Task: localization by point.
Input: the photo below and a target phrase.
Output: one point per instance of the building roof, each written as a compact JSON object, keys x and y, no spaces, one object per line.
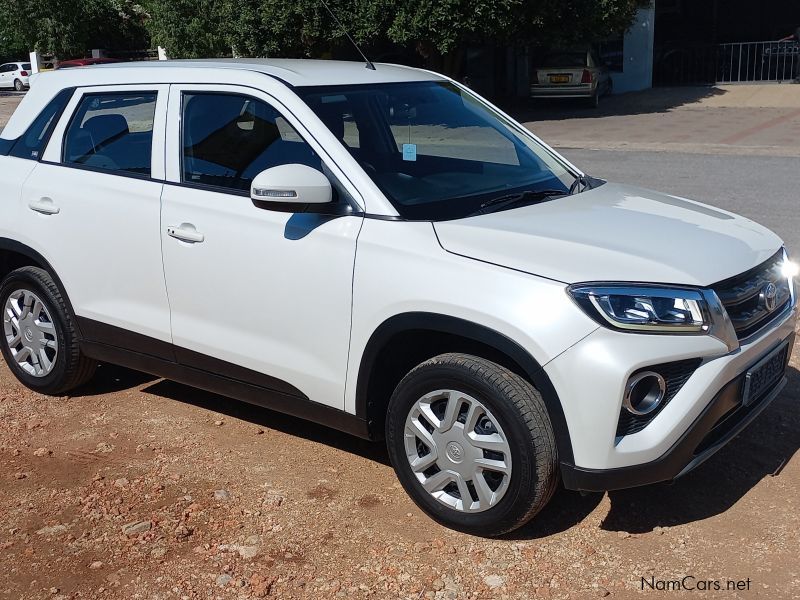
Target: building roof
{"x":297,"y":72}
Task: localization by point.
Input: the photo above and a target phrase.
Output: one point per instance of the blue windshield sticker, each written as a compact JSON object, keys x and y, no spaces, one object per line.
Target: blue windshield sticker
{"x":410,"y":152}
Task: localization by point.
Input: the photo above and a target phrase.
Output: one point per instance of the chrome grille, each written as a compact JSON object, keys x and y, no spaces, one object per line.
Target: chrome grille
{"x":744,"y":296}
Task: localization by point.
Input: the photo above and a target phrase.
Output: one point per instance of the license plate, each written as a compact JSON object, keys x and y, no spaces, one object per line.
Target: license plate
{"x":559,"y":78}
{"x":764,"y":374}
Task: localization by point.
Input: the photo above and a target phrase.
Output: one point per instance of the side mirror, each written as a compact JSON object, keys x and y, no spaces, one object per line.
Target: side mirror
{"x":290,"y":185}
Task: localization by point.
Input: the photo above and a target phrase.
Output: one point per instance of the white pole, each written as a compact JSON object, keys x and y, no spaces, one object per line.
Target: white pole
{"x":162,"y":53}
{"x":35,"y":61}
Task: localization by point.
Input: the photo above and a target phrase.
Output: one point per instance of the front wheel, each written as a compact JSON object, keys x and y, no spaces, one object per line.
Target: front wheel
{"x":39,"y":341}
{"x":18,"y":85}
{"x":472,"y":444}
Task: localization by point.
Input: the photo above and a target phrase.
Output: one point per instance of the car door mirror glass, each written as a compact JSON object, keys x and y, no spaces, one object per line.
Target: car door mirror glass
{"x":291,"y":184}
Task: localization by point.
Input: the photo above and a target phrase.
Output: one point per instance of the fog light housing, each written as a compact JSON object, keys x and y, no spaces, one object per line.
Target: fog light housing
{"x":644,"y":393}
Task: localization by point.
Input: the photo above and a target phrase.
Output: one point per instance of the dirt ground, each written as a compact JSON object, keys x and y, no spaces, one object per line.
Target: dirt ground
{"x":142,"y":488}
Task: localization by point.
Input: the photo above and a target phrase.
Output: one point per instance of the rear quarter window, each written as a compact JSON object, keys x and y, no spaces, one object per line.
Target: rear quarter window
{"x":31,"y":144}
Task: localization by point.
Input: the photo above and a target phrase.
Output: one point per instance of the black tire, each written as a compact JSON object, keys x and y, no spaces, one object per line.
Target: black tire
{"x":71,"y":368}
{"x":594,"y":101}
{"x":18,"y":85}
{"x":520,"y":411}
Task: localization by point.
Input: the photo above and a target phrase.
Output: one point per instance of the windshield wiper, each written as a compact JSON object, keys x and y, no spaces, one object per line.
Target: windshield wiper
{"x":576,"y":185}
{"x":526,"y":197}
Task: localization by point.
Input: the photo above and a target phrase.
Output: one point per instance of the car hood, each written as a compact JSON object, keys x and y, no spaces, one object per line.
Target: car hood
{"x":615,"y":233}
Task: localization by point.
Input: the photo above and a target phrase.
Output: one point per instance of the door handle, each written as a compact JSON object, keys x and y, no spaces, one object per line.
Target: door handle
{"x":44,"y":206}
{"x":186,"y":233}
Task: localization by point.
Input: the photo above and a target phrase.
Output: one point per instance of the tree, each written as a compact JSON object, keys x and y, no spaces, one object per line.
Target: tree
{"x":439,"y":30}
{"x":70,"y":27}
{"x":188,"y":28}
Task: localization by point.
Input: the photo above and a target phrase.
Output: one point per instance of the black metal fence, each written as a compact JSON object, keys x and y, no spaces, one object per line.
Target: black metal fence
{"x":727,"y":63}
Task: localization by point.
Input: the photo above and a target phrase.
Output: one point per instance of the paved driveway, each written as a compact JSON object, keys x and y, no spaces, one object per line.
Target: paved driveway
{"x":8,"y":102}
{"x":744,"y":120}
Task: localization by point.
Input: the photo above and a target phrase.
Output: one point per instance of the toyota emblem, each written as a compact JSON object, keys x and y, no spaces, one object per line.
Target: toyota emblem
{"x":770,"y":295}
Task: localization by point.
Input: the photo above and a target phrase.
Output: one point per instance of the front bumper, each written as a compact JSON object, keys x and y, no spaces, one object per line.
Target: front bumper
{"x":674,"y":441}
{"x":722,"y":420}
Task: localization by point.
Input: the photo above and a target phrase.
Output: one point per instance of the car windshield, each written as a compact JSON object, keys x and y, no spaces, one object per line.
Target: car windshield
{"x":436,"y":151}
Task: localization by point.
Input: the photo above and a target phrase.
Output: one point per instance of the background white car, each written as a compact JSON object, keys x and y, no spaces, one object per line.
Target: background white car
{"x":15,"y":75}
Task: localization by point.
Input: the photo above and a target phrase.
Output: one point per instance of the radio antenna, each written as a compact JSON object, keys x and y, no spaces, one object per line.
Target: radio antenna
{"x":368,"y":62}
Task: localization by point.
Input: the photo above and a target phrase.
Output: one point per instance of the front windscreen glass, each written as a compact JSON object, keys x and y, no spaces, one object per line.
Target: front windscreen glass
{"x":436,"y":151}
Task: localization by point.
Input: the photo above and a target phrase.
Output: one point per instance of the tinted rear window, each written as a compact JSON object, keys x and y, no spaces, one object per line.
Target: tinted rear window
{"x":565,"y":60}
{"x":26,"y":67}
{"x":112,"y":132}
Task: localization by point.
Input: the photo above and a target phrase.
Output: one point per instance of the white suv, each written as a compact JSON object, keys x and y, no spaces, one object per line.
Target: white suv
{"x":386,"y":253}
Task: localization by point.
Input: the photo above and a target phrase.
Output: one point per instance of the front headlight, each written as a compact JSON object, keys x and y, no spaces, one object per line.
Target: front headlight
{"x":645,"y":308}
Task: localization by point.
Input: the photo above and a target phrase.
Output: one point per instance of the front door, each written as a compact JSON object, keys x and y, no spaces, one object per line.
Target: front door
{"x":256,"y":295}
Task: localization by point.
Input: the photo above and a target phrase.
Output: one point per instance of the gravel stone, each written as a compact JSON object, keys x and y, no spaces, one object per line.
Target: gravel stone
{"x":222,"y":495}
{"x":494,"y":581}
{"x":136,"y":528}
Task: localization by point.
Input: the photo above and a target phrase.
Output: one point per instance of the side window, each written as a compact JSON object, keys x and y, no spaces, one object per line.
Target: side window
{"x":33,"y":141}
{"x":112,"y":132}
{"x":228,"y":139}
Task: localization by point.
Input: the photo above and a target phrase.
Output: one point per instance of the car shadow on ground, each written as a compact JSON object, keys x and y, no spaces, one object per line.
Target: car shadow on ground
{"x":656,"y":100}
{"x":269,"y":419}
{"x":111,"y":378}
{"x":761,"y":450}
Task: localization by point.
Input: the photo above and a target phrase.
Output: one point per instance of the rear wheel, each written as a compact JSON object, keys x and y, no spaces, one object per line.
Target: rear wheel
{"x":18,"y":85}
{"x":472,"y":444}
{"x":594,"y":100}
{"x":39,"y":341}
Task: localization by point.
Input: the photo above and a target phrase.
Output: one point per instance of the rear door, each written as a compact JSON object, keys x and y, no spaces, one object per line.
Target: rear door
{"x":93,"y":206}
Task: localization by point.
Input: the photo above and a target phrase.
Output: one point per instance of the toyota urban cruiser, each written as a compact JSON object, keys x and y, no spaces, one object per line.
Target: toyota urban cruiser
{"x":384,"y":252}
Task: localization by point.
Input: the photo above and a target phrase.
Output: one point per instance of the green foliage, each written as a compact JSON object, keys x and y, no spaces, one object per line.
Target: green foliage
{"x":70,"y":27}
{"x":300,"y":27}
{"x":438,"y":29}
{"x":188,"y":28}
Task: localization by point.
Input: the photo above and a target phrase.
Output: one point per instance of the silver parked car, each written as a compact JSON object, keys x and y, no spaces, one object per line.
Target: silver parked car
{"x":571,"y":73}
